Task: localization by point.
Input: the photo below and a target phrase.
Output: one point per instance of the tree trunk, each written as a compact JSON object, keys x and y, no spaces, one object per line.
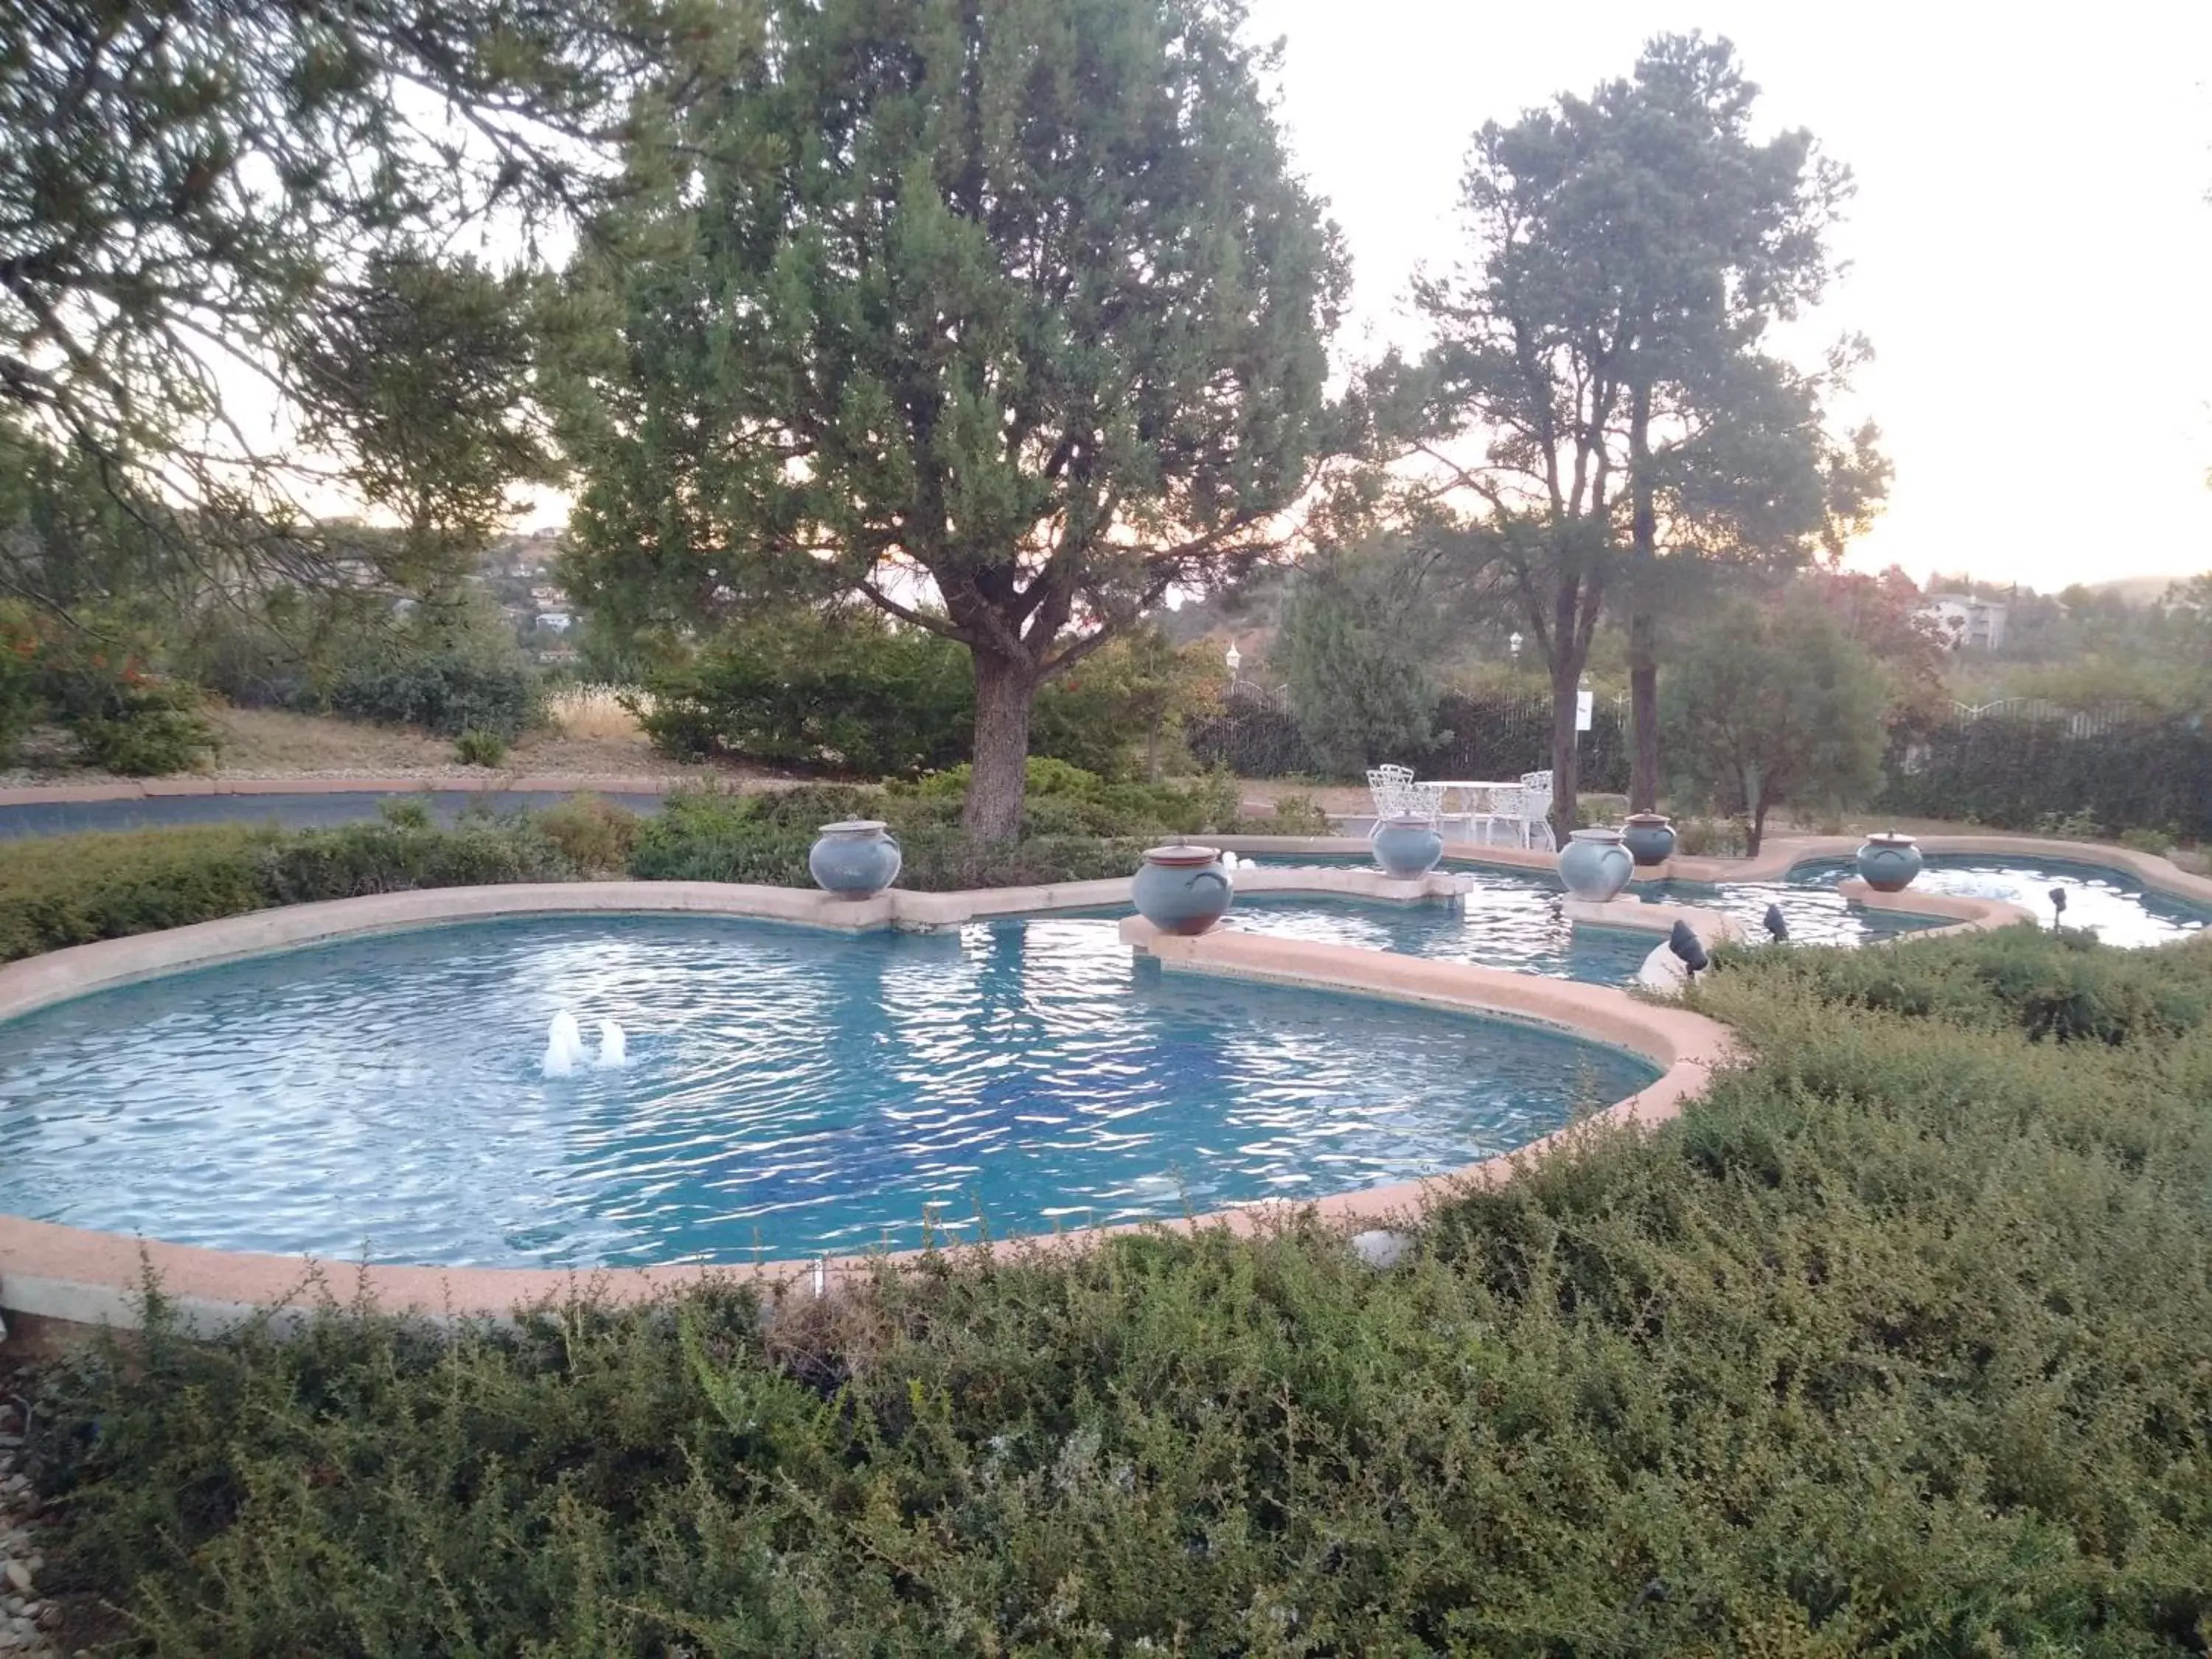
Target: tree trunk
{"x":1005,"y":690}
{"x":1566,"y":752}
{"x":1643,"y":709}
{"x":1643,"y":621}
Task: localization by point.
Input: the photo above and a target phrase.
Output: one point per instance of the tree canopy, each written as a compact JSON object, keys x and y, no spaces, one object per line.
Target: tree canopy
{"x":1604,"y":343}
{"x":1778,"y":704}
{"x":227,"y":229}
{"x":1010,"y":317}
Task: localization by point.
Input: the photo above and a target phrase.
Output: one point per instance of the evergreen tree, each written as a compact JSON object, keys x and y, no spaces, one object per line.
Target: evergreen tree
{"x":1007,"y":315}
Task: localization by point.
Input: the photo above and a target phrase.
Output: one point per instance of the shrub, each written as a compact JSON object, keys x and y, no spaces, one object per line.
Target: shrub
{"x":383,"y":858}
{"x":73,"y":890}
{"x":1294,"y":814}
{"x":478,"y":748}
{"x":2158,"y":841}
{"x":444,"y":687}
{"x":1899,"y":1341}
{"x":1712,"y":838}
{"x":19,"y":680}
{"x":821,"y":689}
{"x":594,"y":834}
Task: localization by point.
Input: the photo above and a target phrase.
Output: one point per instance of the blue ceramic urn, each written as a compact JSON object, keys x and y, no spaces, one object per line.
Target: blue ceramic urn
{"x":1407,"y":847}
{"x":856,"y":859}
{"x":1596,"y":866}
{"x":1181,"y":890}
{"x":1888,"y":862}
{"x":1649,"y":837}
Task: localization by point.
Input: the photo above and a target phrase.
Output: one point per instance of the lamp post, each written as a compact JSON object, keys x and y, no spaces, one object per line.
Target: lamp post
{"x":1513,"y":644}
{"x":1234,"y":658}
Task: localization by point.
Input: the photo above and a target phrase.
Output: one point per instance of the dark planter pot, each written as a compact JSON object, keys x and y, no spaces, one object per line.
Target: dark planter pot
{"x":1182,"y":890}
{"x":1888,"y":862}
{"x":1406,"y":847}
{"x":1649,"y":837}
{"x":854,"y":859}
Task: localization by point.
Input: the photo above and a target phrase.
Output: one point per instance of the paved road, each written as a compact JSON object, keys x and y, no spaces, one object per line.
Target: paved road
{"x":292,"y":811}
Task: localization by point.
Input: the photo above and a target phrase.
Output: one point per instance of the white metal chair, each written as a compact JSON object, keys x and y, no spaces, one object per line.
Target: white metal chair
{"x":1537,"y":811}
{"x":1389,"y":789}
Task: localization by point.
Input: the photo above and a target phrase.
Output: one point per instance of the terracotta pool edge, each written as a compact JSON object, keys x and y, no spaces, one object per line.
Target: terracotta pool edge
{"x":66,"y":1277}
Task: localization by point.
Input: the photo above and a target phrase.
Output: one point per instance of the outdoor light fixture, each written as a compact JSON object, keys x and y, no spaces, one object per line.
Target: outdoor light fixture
{"x":1232,"y":657}
{"x":1513,"y":644}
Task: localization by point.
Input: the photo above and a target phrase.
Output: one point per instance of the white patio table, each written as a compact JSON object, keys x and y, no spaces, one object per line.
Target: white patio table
{"x":1477,"y":800}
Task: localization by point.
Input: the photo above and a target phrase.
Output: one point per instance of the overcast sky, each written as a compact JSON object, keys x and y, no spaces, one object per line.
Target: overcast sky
{"x":2031,"y":248}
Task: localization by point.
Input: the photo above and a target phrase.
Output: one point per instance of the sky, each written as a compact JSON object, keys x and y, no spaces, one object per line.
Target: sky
{"x":2030,"y":247}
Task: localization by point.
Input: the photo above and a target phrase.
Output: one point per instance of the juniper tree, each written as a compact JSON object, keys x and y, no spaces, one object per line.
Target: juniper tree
{"x":1008,"y":316}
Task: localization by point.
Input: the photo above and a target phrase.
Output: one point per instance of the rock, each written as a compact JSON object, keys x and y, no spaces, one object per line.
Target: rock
{"x":17,"y":1575}
{"x":1381,"y":1249}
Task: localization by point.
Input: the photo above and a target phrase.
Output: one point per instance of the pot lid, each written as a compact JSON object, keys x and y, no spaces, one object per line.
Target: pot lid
{"x":855,"y":827}
{"x":1181,"y":856}
{"x":1600,"y":832}
{"x":1890,"y":838}
{"x":1417,"y":820}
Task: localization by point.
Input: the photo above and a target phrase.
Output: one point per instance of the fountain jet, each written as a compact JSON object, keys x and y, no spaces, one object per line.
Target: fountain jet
{"x":614,"y":1046}
{"x":564,"y":1045}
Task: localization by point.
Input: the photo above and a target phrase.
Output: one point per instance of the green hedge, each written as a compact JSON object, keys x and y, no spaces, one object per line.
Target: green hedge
{"x":2015,"y":773}
{"x":72,"y":890}
{"x":1899,"y":1343}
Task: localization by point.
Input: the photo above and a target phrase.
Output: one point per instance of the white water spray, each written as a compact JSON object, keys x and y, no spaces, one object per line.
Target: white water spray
{"x":614,"y":1046}
{"x":564,"y":1045}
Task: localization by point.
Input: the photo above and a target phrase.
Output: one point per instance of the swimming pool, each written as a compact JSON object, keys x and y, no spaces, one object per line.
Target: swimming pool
{"x":785,"y":1092}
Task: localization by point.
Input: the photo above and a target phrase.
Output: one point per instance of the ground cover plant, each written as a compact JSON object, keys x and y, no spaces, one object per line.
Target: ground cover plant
{"x":1900,"y":1343}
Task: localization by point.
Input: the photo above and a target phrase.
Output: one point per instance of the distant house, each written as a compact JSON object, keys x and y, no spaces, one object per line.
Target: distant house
{"x":558,"y":622}
{"x":1970,"y":624}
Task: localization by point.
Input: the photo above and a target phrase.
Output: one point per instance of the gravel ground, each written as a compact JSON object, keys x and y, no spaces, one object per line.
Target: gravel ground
{"x":25,"y":1617}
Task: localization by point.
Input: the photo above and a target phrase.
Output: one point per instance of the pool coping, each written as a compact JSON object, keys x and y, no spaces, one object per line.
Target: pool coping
{"x":65,"y":1277}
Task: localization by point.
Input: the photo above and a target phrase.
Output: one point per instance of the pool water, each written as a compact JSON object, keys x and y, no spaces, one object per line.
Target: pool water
{"x":1503,"y":922}
{"x":787,"y":1092}
{"x":1517,"y":920}
{"x":2119,"y":911}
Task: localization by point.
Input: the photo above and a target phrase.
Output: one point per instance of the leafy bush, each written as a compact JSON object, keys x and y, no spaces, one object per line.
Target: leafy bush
{"x":73,"y":890}
{"x":476,"y":748}
{"x":594,"y":834}
{"x":19,"y":680}
{"x":1710,"y":838}
{"x":1899,"y":1341}
{"x":143,"y":729}
{"x":2013,"y":771}
{"x":816,"y":689}
{"x":851,"y":692}
{"x":384,"y":858}
{"x":448,"y":687}
{"x":1294,"y":814}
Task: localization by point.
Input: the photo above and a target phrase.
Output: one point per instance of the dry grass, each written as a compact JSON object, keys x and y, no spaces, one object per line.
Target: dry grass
{"x":595,"y":712}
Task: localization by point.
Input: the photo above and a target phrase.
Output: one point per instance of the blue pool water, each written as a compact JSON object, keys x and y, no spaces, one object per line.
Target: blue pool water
{"x":1504,"y":923}
{"x":787,"y":1092}
{"x":1515,"y":920}
{"x":2118,"y":910}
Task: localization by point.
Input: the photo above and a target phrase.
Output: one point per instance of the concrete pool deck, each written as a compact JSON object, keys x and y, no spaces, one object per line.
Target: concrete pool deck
{"x":64,"y":1278}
